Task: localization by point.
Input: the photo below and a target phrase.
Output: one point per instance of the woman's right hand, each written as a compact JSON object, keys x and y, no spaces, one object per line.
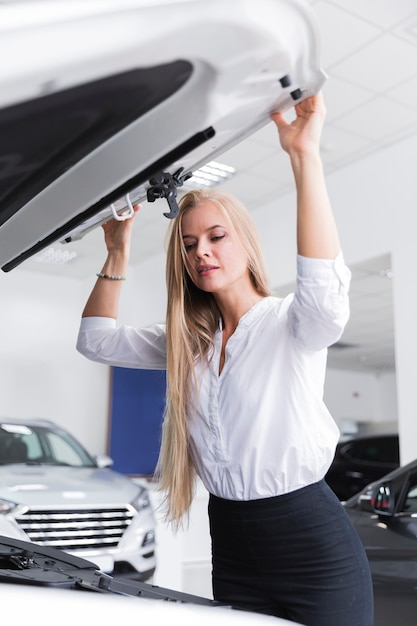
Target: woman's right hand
{"x":118,"y":233}
{"x":104,"y":297}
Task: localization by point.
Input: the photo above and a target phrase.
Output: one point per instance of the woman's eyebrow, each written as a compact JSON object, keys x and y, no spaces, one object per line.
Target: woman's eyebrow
{"x":207,"y":231}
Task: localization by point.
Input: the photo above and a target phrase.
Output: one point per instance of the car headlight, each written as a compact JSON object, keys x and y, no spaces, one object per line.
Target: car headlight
{"x":6,"y":506}
{"x":142,"y":500}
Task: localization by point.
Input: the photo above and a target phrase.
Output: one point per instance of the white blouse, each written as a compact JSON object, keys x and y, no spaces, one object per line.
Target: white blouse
{"x":260,"y":428}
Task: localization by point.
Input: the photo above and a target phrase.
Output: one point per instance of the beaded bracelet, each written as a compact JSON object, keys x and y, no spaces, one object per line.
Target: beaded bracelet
{"x":110,"y":276}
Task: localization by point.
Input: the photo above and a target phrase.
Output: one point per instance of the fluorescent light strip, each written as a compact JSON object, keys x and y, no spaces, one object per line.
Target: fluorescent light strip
{"x":55,"y":256}
{"x":210,"y":175}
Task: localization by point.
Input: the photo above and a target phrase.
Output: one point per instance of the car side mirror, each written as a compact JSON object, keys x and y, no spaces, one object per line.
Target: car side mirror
{"x":103,"y":460}
{"x":366,"y":502}
{"x":382,"y":499}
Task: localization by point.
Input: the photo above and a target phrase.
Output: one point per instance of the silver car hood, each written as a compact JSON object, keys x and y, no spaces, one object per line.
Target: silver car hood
{"x":48,"y":484}
{"x":98,"y":100}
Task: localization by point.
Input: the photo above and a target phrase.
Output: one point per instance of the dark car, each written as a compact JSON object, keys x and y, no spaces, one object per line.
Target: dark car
{"x":360,"y":461}
{"x":385,"y":516}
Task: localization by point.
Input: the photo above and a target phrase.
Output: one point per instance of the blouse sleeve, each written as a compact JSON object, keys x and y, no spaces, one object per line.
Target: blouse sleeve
{"x":320,"y":310}
{"x":100,"y":340}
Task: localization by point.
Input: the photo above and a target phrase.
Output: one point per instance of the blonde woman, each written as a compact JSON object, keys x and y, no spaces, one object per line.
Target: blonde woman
{"x":245,"y":374}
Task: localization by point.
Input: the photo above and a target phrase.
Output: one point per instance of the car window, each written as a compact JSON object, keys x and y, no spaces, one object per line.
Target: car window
{"x":410,"y":501}
{"x":34,"y":449}
{"x":13,"y":446}
{"x":375,"y":450}
{"x":24,"y":444}
{"x":62,"y":451}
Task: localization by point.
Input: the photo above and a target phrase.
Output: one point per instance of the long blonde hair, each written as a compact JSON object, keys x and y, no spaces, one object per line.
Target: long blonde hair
{"x":192,"y":319}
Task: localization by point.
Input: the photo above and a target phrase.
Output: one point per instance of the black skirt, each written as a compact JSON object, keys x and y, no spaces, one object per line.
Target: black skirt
{"x":295,"y":556}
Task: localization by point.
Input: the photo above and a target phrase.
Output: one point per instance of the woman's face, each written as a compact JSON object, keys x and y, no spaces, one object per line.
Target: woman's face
{"x":215,"y":260}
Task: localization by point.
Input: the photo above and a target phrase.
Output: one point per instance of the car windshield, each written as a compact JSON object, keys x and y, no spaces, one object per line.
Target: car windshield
{"x":41,"y":445}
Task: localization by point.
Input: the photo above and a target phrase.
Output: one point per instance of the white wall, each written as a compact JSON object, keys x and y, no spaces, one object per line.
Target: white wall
{"x":363,"y":399}
{"x":41,"y":373}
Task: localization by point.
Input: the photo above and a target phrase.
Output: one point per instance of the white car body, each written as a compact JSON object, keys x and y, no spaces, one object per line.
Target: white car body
{"x":76,"y":607}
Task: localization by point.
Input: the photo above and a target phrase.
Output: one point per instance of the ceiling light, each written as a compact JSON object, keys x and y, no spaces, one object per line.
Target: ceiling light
{"x":55,"y":256}
{"x":211,"y":175}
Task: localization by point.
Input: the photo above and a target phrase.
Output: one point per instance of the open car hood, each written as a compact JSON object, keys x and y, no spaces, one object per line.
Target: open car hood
{"x":41,"y":578}
{"x":105,"y":103}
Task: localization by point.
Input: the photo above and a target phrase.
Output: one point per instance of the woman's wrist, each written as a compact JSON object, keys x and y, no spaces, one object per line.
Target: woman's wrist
{"x":115,"y":264}
{"x":305,"y":156}
{"x":303,"y":163}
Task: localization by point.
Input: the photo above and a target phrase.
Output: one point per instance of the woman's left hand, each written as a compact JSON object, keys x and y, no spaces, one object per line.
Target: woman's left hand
{"x":303,"y":134}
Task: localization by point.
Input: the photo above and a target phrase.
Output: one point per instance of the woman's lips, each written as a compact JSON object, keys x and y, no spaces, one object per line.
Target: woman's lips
{"x":206,"y":269}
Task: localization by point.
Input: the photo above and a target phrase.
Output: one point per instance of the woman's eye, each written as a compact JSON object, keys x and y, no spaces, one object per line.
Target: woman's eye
{"x":217,"y":237}
{"x":189,"y":246}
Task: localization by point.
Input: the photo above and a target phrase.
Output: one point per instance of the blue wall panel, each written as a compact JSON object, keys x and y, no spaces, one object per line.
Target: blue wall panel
{"x":137,"y":408}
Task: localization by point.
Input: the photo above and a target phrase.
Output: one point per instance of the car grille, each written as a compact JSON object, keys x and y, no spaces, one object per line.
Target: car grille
{"x":76,"y":529}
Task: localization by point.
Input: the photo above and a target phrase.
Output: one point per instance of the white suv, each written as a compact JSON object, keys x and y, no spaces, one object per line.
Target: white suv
{"x":54,"y":493}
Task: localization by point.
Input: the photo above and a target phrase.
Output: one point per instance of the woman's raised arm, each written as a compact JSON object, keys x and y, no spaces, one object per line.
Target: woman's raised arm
{"x":317,"y":234}
{"x":104,"y":297}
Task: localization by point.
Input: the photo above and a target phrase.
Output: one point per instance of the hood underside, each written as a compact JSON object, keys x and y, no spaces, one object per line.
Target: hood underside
{"x":99,"y":100}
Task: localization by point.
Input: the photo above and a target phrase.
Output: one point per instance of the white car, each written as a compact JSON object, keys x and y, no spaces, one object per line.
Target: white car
{"x":55,"y":494}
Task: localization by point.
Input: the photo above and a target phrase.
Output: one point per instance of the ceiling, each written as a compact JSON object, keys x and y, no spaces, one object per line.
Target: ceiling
{"x":369,"y":51}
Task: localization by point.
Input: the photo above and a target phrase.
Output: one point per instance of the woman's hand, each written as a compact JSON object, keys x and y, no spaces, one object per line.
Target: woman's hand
{"x":104,"y":298}
{"x":117,"y":234}
{"x":317,"y":234}
{"x":302,"y":135}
